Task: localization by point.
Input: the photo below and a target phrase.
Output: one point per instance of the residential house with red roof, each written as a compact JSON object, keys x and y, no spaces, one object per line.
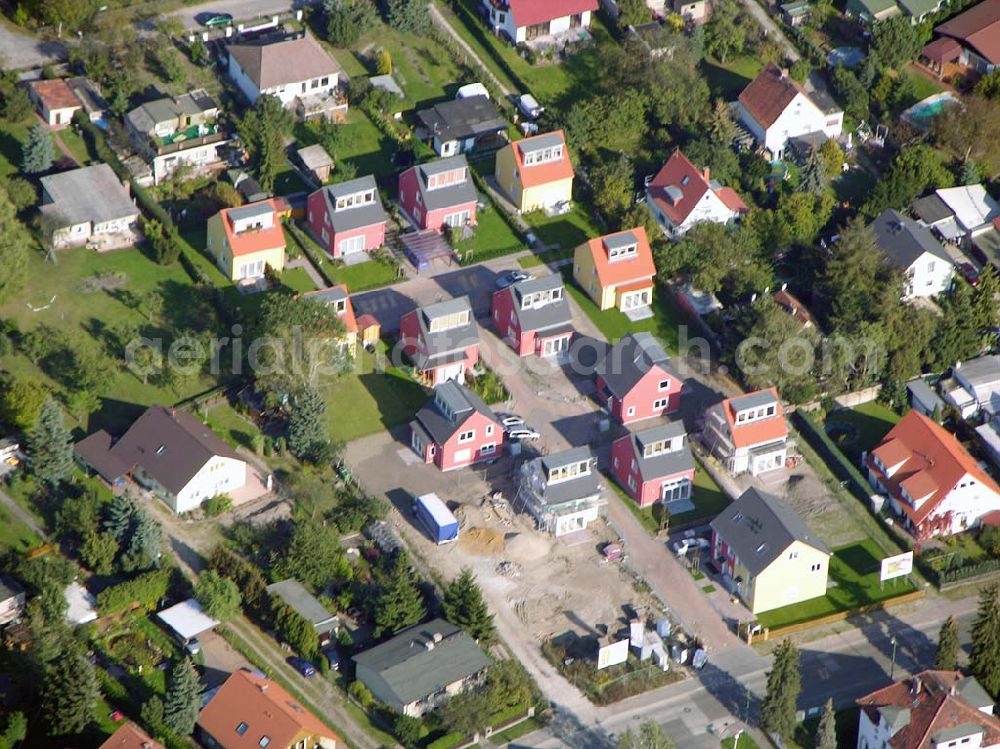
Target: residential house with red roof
{"x":55,"y":101}
{"x":617,"y":270}
{"x":251,"y":711}
{"x":439,"y":194}
{"x":748,"y":434}
{"x":933,"y":485}
{"x":536,"y":172}
{"x":441,"y":340}
{"x":794,"y":307}
{"x":775,"y":107}
{"x":246,"y":240}
{"x":970,"y":40}
{"x":681,"y":195}
{"x":455,"y":429}
{"x":130,"y":736}
{"x":929,"y":710}
{"x":533,"y":316}
{"x":654,"y":465}
{"x":522,"y":21}
{"x":338,"y":298}
{"x":635,"y":380}
{"x":347,"y":218}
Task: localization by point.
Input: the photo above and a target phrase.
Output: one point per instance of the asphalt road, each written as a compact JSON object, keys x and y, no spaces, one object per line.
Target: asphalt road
{"x":241,"y":10}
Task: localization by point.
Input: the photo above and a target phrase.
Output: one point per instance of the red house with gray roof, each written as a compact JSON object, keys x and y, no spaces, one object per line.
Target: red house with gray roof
{"x":441,"y":340}
{"x":635,"y":380}
{"x":347,"y":218}
{"x":681,"y":195}
{"x":439,"y":194}
{"x":654,"y":465}
{"x":533,"y":316}
{"x":455,"y":429}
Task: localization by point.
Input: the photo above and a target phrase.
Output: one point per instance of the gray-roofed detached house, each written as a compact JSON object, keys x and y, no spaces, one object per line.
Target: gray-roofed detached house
{"x":561,"y":490}
{"x":304,"y":603}
{"x":455,"y":428}
{"x":655,"y":465}
{"x":769,"y":556}
{"x":635,"y":380}
{"x":534,"y":317}
{"x":974,"y":386}
{"x":174,"y":456}
{"x":439,"y":194}
{"x":441,"y":340}
{"x":347,"y":218}
{"x":422,"y":667}
{"x":460,"y":125}
{"x":88,"y":206}
{"x":910,"y":247}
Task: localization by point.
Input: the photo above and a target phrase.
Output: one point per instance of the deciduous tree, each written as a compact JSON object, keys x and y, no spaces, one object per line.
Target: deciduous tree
{"x":348,"y":20}
{"x":13,"y":250}
{"x":896,"y":41}
{"x":649,"y":736}
{"x":410,"y":16}
{"x":218,"y":595}
{"x":21,"y":402}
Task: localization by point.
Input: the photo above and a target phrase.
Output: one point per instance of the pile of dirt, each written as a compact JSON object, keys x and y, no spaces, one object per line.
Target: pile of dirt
{"x":527,"y":546}
{"x":484,"y":542}
{"x":104,"y":281}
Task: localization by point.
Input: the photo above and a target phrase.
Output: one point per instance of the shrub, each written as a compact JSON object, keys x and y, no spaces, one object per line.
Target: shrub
{"x":144,"y":591}
{"x":361,"y":694}
{"x":216,"y":505}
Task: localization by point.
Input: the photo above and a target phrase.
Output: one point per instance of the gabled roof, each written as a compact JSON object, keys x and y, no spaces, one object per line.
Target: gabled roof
{"x":629,"y":360}
{"x":931,"y":707}
{"x":294,"y":594}
{"x":460,"y":401}
{"x":334,"y":294}
{"x":348,"y":219}
{"x":314,"y":157}
{"x":548,"y":316}
{"x":458,"y":119}
{"x":265,"y":707}
{"x":981,"y":372}
{"x":759,"y":527}
{"x":168,"y":444}
{"x":130,"y":736}
{"x":450,"y":195}
{"x":903,"y":241}
{"x":768,"y":95}
{"x":423,"y":659}
{"x":145,"y":117}
{"x":55,"y":94}
{"x":638,"y":268}
{"x":931,"y":209}
{"x":583,"y":486}
{"x":531,"y":12}
{"x":283,"y":62}
{"x":933,"y":462}
{"x":978,"y":27}
{"x":664,"y":464}
{"x":972,"y":205}
{"x":679,"y":185}
{"x":791,"y":304}
{"x":759,"y":431}
{"x":541,"y":174}
{"x":256,"y":240}
{"x":444,"y":346}
{"x":90,"y":193}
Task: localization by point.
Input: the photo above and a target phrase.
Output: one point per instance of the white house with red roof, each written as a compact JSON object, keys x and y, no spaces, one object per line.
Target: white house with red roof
{"x":527,"y":20}
{"x":929,"y":710}
{"x":748,"y":434}
{"x":933,"y":484}
{"x":681,"y":195}
{"x":775,"y":107}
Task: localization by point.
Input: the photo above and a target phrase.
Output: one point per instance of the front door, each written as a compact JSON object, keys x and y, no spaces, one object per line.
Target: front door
{"x":554,"y":345}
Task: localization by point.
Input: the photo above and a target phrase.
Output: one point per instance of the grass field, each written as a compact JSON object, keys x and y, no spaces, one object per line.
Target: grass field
{"x":12,"y":135}
{"x":76,"y":145}
{"x":858,"y":430}
{"x":230,"y":426}
{"x":15,"y":535}
{"x":365,"y":147}
{"x":544,"y":258}
{"x":567,"y":231}
{"x":728,"y":79}
{"x":493,"y":237}
{"x":854,"y":570}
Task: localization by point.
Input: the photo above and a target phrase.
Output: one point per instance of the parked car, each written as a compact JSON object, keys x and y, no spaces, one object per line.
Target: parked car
{"x":684,"y":546}
{"x":523,"y":433}
{"x":332,"y":658}
{"x":512,"y":421}
{"x":513,"y":277}
{"x":529,"y":106}
{"x":301,"y":665}
{"x":969,"y":273}
{"x":213,"y":20}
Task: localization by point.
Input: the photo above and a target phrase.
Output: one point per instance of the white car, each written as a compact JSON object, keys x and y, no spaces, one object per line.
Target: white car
{"x":530,"y":107}
{"x":683,"y":547}
{"x":512,"y":421}
{"x":523,"y":433}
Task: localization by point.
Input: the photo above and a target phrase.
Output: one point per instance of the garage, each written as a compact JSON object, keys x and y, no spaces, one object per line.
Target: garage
{"x":463,"y":456}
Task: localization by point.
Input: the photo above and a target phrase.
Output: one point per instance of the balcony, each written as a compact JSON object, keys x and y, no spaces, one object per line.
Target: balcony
{"x":196,"y":135}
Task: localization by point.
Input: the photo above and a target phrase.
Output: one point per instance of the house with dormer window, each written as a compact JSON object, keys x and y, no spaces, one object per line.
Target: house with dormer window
{"x":616,"y":270}
{"x":933,"y":485}
{"x":681,"y":195}
{"x":748,"y":434}
{"x":441,"y":340}
{"x":635,"y":380}
{"x":654,"y":465}
{"x":439,"y":194}
{"x":339,"y":300}
{"x":455,"y":429}
{"x":533,"y":316}
{"x":463,"y":125}
{"x":536,"y":172}
{"x":768,"y":556}
{"x":561,"y":491}
{"x":929,"y":710}
{"x":347,"y":218}
{"x":246,"y":240}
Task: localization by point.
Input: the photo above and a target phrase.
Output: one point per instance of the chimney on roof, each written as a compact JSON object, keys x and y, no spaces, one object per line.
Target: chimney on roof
{"x":438,"y":637}
{"x":706,"y":173}
{"x":784,"y":72}
{"x":263,"y":686}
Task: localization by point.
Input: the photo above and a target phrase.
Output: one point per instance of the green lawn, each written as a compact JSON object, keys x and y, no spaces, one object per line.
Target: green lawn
{"x":366,"y":401}
{"x":664,"y":324}
{"x":568,"y":231}
{"x":363,"y":276}
{"x":231,"y":426}
{"x":12,"y":135}
{"x":15,"y":535}
{"x":859,"y":429}
{"x":854,"y":570}
{"x":493,"y":237}
{"x":76,"y":145}
{"x":923,"y":87}
{"x":365,"y":147}
{"x":728,"y":79}
{"x":746,"y":742}
{"x":297,"y":280}
{"x":543,"y":258}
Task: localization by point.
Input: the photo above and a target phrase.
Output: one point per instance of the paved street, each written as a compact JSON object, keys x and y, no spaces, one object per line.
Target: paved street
{"x":241,"y":10}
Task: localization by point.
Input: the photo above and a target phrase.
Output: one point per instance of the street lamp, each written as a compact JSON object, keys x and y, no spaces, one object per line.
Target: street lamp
{"x":892,"y":671}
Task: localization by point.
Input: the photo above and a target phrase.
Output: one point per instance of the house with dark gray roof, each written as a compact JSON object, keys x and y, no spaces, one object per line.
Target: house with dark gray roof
{"x":455,"y":428}
{"x":655,"y":465}
{"x":347,"y":218}
{"x":768,"y":555}
{"x":422,"y":667}
{"x":909,"y":246}
{"x":305,"y":604}
{"x":461,"y":125}
{"x":561,"y":491}
{"x":635,"y":380}
{"x":533,"y":316}
{"x":439,"y":194}
{"x":169,"y":453}
{"x":974,"y":386}
{"x":88,"y":206}
{"x":441,"y":340}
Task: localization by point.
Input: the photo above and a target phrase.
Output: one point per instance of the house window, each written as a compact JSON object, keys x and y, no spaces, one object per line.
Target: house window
{"x":456,"y":220}
{"x":352,"y":244}
{"x":264,"y":741}
{"x":615,"y":461}
{"x":631,"y":482}
{"x":816,"y":567}
{"x":793,"y":555}
{"x":488,"y":449}
{"x":242,"y":728}
{"x":631,"y":411}
{"x":467,"y":436}
{"x":659,"y":405}
{"x":664,"y":384}
{"x":489,"y":429}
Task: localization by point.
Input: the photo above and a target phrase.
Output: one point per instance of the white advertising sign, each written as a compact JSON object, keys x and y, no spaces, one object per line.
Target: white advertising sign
{"x":897,"y":566}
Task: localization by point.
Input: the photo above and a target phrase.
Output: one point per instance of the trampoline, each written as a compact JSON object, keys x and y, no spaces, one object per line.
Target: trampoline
{"x":424,"y":247}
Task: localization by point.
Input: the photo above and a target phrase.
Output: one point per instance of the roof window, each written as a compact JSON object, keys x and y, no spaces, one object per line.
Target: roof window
{"x":242,"y":728}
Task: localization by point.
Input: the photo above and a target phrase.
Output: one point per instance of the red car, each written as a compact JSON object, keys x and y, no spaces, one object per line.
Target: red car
{"x":969,"y":273}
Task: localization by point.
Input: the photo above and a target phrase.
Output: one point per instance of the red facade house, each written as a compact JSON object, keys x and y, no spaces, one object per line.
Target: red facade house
{"x":441,"y":340}
{"x":455,"y":429}
{"x":635,"y":381}
{"x":533,"y":317}
{"x":347,"y":218}
{"x":439,"y":194}
{"x":654,"y":465}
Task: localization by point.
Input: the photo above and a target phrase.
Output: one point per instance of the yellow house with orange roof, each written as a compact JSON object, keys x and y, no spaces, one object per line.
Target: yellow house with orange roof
{"x":536,"y":172}
{"x":246,"y":240}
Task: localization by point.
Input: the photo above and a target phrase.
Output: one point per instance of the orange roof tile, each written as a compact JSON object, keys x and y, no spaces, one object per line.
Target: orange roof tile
{"x":680,"y":174}
{"x":933,"y":462}
{"x":541,"y":174}
{"x":639,"y":268}
{"x":769,"y":94}
{"x":130,"y":736}
{"x":732,"y":200}
{"x":636,"y":285}
{"x":790,"y":303}
{"x":756,"y":432}
{"x":249,"y":242}
{"x":266,"y":708}
{"x":56,"y":94}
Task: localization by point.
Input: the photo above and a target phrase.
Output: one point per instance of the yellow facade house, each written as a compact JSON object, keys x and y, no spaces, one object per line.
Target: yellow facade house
{"x":768,"y":555}
{"x":616,"y":270}
{"x":246,"y":240}
{"x":536,"y":172}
